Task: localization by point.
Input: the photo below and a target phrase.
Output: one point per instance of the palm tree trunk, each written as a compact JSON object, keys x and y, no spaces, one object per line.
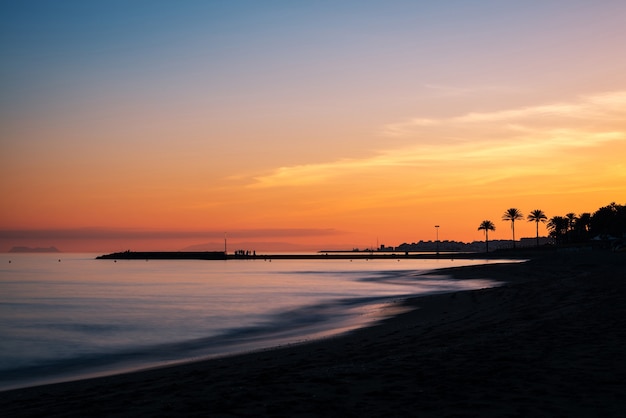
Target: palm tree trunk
{"x":513,"y":228}
{"x":537,"y":224}
{"x":487,"y":239}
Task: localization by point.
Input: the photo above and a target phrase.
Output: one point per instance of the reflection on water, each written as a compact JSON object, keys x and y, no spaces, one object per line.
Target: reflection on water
{"x":69,"y":315}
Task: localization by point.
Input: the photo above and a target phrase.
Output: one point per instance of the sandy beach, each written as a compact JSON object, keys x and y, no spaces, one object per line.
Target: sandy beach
{"x":549,"y":342}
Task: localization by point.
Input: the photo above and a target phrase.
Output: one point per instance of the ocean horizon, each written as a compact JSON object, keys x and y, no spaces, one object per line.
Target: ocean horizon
{"x":67,"y":316}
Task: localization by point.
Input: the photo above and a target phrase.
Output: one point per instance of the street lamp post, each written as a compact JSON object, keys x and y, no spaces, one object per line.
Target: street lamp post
{"x":437,"y":230}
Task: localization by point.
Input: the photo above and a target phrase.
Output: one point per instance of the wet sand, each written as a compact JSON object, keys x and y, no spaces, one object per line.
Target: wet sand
{"x":550,"y":342}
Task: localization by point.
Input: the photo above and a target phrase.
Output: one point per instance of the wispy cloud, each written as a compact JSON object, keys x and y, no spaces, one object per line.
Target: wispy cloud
{"x":448,"y":90}
{"x":606,"y":106}
{"x":480,"y":141}
{"x":128,"y":233}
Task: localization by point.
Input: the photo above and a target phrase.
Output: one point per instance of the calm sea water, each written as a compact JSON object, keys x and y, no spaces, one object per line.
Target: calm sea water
{"x":67,"y":316}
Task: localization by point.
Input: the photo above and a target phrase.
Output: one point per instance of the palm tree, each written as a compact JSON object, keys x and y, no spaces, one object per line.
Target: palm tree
{"x":583,"y":222}
{"x":512,"y":215}
{"x":582,"y":226}
{"x":487,"y":226}
{"x":571,"y":220}
{"x":537,"y":216}
{"x":558,"y":227}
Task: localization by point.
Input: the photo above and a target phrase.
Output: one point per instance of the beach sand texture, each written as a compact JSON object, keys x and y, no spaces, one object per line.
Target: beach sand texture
{"x":550,"y":342}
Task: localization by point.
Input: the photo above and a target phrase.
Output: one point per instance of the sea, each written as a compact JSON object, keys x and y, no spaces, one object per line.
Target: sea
{"x":69,"y":316}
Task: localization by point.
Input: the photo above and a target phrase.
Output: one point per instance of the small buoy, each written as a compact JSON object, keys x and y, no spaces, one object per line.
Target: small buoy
{"x":59,"y":260}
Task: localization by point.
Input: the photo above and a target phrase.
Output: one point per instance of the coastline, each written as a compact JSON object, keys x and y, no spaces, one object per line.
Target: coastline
{"x":320,"y":255}
{"x":548,"y":342}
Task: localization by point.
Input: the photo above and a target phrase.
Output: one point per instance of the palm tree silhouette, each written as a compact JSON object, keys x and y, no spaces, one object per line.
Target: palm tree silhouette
{"x":582,"y":225}
{"x":512,"y":215}
{"x":537,"y":216}
{"x":487,"y":226}
{"x":558,"y":227}
{"x":571,"y":221}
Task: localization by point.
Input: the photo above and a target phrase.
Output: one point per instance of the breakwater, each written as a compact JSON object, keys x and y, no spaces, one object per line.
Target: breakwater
{"x":330,"y":255}
{"x":165,"y":255}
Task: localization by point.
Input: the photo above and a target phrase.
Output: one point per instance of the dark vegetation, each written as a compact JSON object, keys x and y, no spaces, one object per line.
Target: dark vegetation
{"x":606,"y":226}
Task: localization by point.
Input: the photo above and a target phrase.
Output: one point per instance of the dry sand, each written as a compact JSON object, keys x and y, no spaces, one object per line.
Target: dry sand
{"x":551,"y":342}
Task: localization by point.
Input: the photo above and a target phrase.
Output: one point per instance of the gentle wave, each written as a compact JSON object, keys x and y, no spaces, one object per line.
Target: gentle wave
{"x":81,"y":317}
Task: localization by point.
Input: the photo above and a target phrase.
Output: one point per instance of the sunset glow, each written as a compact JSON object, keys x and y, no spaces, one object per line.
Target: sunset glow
{"x":304,"y":126}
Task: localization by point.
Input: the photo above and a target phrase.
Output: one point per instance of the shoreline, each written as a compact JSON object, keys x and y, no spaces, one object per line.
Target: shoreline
{"x":548,"y":342}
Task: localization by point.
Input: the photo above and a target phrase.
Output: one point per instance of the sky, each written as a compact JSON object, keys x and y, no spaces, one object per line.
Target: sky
{"x":293,"y":125}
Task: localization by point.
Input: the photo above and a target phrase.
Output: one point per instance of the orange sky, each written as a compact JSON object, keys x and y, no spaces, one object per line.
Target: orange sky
{"x":302,"y":127}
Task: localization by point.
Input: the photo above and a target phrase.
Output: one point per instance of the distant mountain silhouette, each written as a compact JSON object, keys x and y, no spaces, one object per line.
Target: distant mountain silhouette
{"x":251,"y":246}
{"x":34,"y":250}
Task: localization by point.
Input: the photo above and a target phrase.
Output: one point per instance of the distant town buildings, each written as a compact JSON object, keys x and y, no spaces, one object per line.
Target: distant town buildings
{"x":475,"y":246}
